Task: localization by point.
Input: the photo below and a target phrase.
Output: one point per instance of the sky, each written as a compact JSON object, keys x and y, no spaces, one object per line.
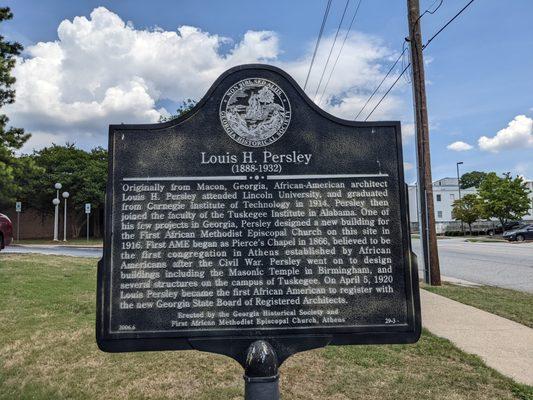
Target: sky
{"x":89,"y":64}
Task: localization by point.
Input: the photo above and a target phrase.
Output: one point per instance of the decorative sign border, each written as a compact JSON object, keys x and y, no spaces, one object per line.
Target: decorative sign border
{"x":232,"y":341}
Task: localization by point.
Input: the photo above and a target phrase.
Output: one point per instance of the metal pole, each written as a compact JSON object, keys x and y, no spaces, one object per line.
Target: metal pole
{"x":65,"y":223}
{"x":417,"y":197}
{"x":18,"y":227}
{"x":261,"y":377}
{"x":56,"y":219}
{"x":428,"y":233}
{"x":87,"y":227}
{"x":459,"y":187}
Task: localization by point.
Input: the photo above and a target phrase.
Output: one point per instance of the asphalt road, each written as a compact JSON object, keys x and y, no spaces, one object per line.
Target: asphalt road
{"x":54,"y":250}
{"x":507,"y":265}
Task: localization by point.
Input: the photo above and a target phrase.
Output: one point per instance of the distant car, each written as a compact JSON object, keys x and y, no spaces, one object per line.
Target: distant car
{"x":523,"y":233}
{"x":508,"y":226}
{"x":6,"y":231}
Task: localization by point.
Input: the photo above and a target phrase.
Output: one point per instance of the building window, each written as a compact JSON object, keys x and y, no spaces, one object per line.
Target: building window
{"x":452,"y":196}
{"x":438,"y":197}
{"x":439,"y":214}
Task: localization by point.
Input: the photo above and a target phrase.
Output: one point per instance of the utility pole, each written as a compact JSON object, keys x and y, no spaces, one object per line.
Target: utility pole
{"x":425,"y":185}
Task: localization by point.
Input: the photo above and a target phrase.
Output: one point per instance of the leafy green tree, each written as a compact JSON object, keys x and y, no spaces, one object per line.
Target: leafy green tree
{"x":11,"y":139}
{"x":185,"y":106}
{"x":83,"y":174}
{"x":472,"y":179}
{"x":504,"y":198}
{"x":468,"y":209}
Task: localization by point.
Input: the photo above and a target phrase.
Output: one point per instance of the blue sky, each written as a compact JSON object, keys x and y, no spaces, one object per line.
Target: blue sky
{"x":479,"y":70}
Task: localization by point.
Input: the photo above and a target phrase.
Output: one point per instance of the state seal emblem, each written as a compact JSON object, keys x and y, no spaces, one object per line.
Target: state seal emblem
{"x":255,"y":112}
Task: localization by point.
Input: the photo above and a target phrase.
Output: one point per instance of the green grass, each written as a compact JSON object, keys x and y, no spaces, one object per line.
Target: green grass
{"x":417,"y":236}
{"x":70,"y":242}
{"x":48,"y":351}
{"x":510,"y":304}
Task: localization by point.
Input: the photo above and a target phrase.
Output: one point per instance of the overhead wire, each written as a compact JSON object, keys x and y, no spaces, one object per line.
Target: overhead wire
{"x":446,"y":24}
{"x":423,"y":48}
{"x":381,"y":83}
{"x":404,"y":62}
{"x":404,"y":48}
{"x":319,"y":38}
{"x":340,"y":51}
{"x":332,"y":46}
{"x":388,"y":91}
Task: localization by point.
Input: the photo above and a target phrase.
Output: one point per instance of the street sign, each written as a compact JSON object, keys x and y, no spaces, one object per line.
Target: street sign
{"x":87,"y":212}
{"x":256,"y":218}
{"x":18,"y":209}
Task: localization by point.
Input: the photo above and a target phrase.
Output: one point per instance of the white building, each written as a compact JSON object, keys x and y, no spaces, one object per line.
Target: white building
{"x":445,"y":192}
{"x":529,"y":185}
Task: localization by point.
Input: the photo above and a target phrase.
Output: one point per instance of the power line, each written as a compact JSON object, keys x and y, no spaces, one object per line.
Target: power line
{"x":407,"y":78}
{"x":423,"y":48}
{"x":381,"y":83}
{"x":446,"y":24}
{"x":427,"y":11}
{"x":340,"y":51}
{"x":388,"y":90}
{"x":326,"y":12}
{"x":332,"y":46}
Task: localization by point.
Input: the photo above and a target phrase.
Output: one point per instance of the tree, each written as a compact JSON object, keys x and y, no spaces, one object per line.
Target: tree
{"x":83,"y":174}
{"x":504,"y":198}
{"x":185,"y":106}
{"x":472,"y":179}
{"x":468,"y":209}
{"x":11,"y":139}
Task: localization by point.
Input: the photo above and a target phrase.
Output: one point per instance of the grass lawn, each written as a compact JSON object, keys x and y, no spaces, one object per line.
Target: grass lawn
{"x":510,"y":304}
{"x":417,"y":236}
{"x":70,"y":242}
{"x":48,"y":351}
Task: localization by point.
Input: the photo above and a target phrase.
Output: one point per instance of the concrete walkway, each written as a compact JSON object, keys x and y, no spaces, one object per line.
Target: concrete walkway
{"x":504,"y":345}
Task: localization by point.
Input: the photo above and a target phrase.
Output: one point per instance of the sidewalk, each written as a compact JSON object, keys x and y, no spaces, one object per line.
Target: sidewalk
{"x":504,"y":345}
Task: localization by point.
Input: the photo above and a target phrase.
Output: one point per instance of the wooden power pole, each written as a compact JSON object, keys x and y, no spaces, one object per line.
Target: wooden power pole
{"x":425,"y":184}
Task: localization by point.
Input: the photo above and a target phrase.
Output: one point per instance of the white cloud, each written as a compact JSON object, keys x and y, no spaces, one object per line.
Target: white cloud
{"x":408,"y":166}
{"x":356,"y":75}
{"x":459,"y":146}
{"x":518,"y":134}
{"x":408,"y":131}
{"x":102,"y":71}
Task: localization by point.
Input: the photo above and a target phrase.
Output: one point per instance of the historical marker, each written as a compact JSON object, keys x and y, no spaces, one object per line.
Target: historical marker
{"x":256,"y":222}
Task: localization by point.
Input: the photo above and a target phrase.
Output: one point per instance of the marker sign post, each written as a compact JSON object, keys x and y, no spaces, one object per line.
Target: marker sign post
{"x":256,"y":226}
{"x":18,"y":209}
{"x":87,"y":212}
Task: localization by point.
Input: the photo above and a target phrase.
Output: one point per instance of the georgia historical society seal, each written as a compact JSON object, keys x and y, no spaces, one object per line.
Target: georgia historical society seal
{"x":255,"y":112}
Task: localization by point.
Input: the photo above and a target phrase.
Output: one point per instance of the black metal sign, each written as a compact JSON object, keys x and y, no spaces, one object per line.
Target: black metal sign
{"x":256,"y":216}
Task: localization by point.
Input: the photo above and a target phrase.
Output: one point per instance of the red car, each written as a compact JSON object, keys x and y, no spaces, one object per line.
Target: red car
{"x":6,"y":231}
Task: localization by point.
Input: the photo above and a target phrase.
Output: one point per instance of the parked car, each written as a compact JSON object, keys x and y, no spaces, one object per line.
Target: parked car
{"x":508,"y":226}
{"x":522,"y":233}
{"x":6,"y":231}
